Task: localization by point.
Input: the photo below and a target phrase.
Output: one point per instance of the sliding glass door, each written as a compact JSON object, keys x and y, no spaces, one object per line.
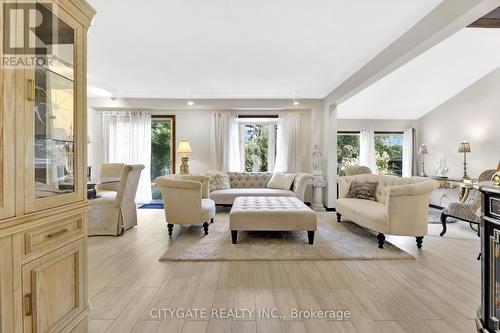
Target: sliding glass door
{"x":162,"y":149}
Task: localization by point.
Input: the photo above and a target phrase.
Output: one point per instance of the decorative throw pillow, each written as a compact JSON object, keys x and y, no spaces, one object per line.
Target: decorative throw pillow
{"x":281,"y":181}
{"x":219,"y":181}
{"x":364,"y":191}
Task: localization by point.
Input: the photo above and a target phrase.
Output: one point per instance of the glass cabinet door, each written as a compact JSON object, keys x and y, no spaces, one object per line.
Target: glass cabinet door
{"x":52,"y":93}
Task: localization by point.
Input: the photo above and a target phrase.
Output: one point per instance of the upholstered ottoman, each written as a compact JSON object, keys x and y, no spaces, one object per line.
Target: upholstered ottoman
{"x":271,"y":214}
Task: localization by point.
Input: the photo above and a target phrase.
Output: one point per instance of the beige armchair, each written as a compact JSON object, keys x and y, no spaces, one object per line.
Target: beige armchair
{"x":110,"y":176}
{"x":113,"y":212}
{"x":469,"y":209}
{"x":186,"y":200}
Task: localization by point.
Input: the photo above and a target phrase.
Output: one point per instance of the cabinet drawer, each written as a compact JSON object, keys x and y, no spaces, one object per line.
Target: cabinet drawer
{"x":52,"y":234}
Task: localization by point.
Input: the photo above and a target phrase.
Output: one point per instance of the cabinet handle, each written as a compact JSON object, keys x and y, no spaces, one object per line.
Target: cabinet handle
{"x":58,"y":233}
{"x":30,"y":90}
{"x":27,"y":305}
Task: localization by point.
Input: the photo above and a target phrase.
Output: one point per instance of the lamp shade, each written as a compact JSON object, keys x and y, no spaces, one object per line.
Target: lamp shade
{"x":464,"y":147}
{"x":422,"y":150}
{"x":184,"y":147}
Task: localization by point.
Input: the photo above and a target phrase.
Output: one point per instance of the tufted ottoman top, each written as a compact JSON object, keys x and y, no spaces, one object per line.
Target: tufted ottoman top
{"x":271,"y":213}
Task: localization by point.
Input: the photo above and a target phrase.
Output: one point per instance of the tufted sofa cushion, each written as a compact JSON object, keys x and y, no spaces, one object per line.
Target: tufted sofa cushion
{"x":249,"y":179}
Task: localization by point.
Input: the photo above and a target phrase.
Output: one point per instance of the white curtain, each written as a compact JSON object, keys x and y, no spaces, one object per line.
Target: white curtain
{"x":408,"y":152}
{"x":289,"y":143}
{"x":127,"y":139}
{"x":225,"y":142}
{"x":367,"y":149}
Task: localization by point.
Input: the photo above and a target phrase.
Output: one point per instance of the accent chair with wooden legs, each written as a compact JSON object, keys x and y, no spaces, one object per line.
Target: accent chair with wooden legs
{"x":186,"y":200}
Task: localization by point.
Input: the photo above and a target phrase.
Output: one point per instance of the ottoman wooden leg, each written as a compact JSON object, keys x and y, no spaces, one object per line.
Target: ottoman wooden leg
{"x":234,"y":236}
{"x":339,"y":217}
{"x":205,"y":227}
{"x":310,"y":236}
{"x":170,"y":229}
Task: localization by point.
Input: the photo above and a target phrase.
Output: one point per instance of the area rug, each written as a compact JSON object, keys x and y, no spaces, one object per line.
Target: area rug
{"x":333,"y":241}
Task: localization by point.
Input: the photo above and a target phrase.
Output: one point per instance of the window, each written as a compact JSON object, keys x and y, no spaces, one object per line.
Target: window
{"x":259,"y":142}
{"x":347,"y":151}
{"x":162,"y":149}
{"x":389,"y":153}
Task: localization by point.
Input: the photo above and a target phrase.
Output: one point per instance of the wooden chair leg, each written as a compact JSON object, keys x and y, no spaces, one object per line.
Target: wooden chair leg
{"x":339,"y":217}
{"x":170,"y":229}
{"x":205,"y":227}
{"x":381,"y":239}
{"x":212,"y":220}
{"x":443,"y":222}
{"x":420,"y":240}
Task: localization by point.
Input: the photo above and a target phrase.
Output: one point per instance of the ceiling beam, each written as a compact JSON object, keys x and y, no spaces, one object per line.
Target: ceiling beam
{"x":446,"y":19}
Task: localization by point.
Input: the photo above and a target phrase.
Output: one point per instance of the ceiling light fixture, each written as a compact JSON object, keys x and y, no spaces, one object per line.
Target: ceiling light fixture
{"x":295,"y":102}
{"x":190,"y":103}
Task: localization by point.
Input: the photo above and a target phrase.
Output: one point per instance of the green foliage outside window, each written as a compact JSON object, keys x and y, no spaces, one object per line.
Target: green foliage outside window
{"x":161,"y":151}
{"x":347,"y":152}
{"x":389,"y":154}
{"x":256,"y":147}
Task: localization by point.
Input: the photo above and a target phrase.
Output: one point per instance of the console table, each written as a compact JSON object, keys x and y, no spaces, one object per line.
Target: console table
{"x":449,"y":191}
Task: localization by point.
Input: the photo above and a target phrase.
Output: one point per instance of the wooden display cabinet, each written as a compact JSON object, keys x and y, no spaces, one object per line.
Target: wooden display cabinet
{"x":43,"y":197}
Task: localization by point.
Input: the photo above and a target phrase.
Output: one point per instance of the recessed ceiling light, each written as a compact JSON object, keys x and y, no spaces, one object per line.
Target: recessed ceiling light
{"x":295,"y":102}
{"x":190,"y":103}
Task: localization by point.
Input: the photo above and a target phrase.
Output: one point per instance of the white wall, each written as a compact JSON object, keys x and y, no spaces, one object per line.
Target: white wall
{"x":194,"y":126}
{"x":474,"y":116}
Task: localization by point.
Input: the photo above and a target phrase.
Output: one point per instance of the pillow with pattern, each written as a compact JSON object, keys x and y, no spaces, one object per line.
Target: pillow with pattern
{"x":219,"y":181}
{"x":364,"y":191}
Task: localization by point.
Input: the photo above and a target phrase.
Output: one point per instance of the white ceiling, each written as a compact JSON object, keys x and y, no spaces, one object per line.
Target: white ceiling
{"x":430,"y":79}
{"x":239,"y":48}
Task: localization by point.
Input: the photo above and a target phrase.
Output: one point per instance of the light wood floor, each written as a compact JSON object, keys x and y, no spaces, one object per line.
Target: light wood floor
{"x":438,"y":292}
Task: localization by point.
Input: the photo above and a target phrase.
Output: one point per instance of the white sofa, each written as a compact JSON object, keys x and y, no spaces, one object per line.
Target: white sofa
{"x":254,"y":184}
{"x":401,"y":207}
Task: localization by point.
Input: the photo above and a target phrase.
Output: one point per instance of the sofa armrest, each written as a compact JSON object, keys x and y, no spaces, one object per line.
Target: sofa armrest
{"x":300,"y":183}
{"x":408,"y":206}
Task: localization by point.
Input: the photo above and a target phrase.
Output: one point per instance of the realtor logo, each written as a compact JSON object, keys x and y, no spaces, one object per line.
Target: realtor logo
{"x":22,"y":45}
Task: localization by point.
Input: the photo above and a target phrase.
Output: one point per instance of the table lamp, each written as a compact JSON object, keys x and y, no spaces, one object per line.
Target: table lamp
{"x":422,"y":150}
{"x":185,"y":150}
{"x":496,"y":176}
{"x":464,"y":148}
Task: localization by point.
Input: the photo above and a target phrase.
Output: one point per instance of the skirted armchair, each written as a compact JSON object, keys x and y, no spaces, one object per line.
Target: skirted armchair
{"x":186,"y":200}
{"x":110,"y":176}
{"x":468,"y":209}
{"x":113,"y":212}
